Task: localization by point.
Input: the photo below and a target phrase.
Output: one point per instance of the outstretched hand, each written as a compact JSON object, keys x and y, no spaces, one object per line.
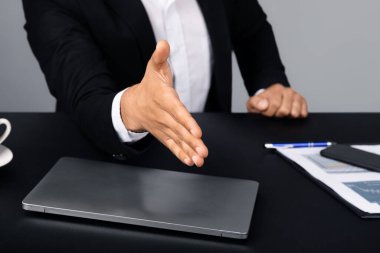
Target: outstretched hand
{"x":154,"y":106}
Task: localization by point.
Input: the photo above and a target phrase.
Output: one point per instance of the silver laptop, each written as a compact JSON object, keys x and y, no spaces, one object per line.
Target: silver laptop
{"x":146,"y":197}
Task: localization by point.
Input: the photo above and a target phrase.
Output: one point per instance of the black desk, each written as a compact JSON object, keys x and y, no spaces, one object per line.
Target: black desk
{"x":311,"y":220}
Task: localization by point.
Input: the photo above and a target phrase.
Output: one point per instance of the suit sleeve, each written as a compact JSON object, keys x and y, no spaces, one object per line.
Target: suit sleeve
{"x":75,"y":70}
{"x":255,"y":47}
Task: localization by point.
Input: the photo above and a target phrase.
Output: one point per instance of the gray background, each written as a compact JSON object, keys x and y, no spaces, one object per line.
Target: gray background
{"x":331,"y":49}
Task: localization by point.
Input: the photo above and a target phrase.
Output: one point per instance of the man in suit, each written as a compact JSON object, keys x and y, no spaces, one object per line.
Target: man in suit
{"x":102,"y":63}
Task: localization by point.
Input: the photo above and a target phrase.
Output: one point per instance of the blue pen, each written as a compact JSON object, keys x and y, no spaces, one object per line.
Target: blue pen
{"x":299,"y":145}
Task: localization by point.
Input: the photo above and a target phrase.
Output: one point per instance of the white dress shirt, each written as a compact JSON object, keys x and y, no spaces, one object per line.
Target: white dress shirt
{"x":182,"y":24}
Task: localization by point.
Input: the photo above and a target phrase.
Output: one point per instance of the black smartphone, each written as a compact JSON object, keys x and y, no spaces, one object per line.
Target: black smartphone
{"x":353,"y":156}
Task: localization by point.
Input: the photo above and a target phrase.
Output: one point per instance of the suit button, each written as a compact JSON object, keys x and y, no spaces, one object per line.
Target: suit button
{"x":120,"y":157}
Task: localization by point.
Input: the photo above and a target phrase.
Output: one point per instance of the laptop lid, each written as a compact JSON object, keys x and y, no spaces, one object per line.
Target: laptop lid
{"x":147,"y":197}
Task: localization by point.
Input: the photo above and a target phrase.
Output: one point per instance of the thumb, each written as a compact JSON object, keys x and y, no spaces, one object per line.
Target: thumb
{"x":258,"y":103}
{"x":160,"y":55}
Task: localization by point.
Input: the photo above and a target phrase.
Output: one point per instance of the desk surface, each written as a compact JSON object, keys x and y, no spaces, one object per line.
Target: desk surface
{"x":311,"y":220}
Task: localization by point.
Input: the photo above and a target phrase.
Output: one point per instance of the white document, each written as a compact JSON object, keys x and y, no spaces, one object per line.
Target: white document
{"x":358,"y":186}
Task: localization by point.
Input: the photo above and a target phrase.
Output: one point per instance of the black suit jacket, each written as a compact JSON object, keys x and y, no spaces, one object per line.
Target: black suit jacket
{"x":91,"y":49}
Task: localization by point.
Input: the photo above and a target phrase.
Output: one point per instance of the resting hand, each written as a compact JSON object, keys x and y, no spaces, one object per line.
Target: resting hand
{"x":154,"y":106}
{"x":278,"y":101}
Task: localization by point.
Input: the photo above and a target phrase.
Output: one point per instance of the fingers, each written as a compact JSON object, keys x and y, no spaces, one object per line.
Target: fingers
{"x":195,"y":158}
{"x":184,"y":135}
{"x":296,"y":108}
{"x":161,"y":54}
{"x":179,"y":148}
{"x":304,"y":112}
{"x":191,"y":145}
{"x":183,"y":117}
{"x":177,"y":151}
{"x":158,"y":69}
{"x":274,"y":105}
{"x":179,"y":120}
{"x":172,"y":146}
{"x":258,"y":104}
{"x":299,"y":107}
{"x":178,"y":111}
{"x":286,"y":106}
{"x":169,"y":128}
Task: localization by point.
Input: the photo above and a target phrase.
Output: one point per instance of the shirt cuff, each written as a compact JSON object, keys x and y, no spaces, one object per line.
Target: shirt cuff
{"x":259,"y":92}
{"x":124,"y":134}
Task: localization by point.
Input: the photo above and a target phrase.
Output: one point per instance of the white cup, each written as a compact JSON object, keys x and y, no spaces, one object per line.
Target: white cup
{"x":7,"y":129}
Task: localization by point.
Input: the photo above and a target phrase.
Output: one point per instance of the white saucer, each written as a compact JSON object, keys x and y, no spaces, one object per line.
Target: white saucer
{"x":6,"y":155}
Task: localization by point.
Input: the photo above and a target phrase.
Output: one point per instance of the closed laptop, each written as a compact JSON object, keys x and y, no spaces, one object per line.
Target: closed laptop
{"x":147,"y":197}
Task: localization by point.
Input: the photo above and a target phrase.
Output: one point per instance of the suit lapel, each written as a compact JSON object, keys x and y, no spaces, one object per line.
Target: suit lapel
{"x":133,"y":13}
{"x":216,"y":22}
